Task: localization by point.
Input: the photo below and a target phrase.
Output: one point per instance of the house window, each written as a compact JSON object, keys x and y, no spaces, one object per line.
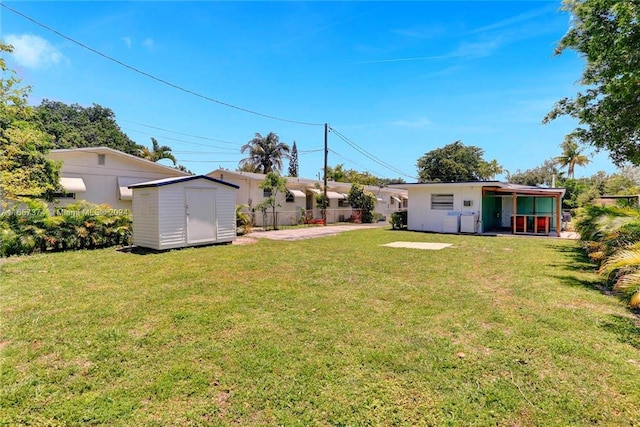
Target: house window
{"x":405,"y":203}
{"x":344,"y":203}
{"x":442,"y":202}
{"x":392,"y":202}
{"x":266,"y":193}
{"x":101,"y":159}
{"x":290,"y":198}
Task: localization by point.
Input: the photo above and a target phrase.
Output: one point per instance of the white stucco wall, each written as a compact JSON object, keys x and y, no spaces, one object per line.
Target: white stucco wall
{"x":101,"y":181}
{"x":421,"y":217}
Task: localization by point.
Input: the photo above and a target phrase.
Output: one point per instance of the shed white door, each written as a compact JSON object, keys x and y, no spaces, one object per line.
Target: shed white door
{"x":201,"y":215}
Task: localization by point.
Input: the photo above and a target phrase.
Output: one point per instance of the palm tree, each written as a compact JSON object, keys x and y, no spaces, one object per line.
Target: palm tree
{"x":158,"y":152}
{"x":571,"y":156}
{"x":265,"y":153}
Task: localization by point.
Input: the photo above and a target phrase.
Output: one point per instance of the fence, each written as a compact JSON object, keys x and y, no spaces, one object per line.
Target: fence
{"x":301,"y":217}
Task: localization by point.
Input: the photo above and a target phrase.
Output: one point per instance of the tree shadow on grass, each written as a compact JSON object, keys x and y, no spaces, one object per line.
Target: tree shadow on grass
{"x":626,"y":329}
{"x":593,"y":284}
{"x":577,"y":258}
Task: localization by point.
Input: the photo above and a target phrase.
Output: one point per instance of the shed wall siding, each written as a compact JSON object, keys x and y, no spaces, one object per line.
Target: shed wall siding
{"x":226,"y":215}
{"x":172,"y":218}
{"x":421,"y":217}
{"x":145,"y":218}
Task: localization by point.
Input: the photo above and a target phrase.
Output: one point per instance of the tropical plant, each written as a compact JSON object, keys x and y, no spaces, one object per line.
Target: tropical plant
{"x":243,"y":220}
{"x":157,"y":152}
{"x":265,"y":154}
{"x":274,"y":184}
{"x":27,"y":227}
{"x":571,"y":156}
{"x":625,"y":267}
{"x":605,"y":34}
{"x":399,"y":220}
{"x":363,"y":200}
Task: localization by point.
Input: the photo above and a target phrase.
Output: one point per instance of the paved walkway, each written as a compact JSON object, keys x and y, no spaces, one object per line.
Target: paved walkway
{"x":311,"y":232}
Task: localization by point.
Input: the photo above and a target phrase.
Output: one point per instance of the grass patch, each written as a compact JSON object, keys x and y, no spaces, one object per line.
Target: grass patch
{"x":330,"y":331}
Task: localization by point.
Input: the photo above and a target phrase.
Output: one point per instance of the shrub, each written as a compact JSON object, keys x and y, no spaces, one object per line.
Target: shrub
{"x":29,"y":227}
{"x":399,"y":220}
{"x":364,"y":200}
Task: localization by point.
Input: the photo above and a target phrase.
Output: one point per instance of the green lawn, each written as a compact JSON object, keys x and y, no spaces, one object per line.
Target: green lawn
{"x":330,"y":331}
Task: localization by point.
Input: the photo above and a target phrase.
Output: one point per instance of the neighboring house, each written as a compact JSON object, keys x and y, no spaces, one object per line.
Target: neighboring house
{"x":300,"y":200}
{"x":483,"y":206}
{"x":102,"y":175}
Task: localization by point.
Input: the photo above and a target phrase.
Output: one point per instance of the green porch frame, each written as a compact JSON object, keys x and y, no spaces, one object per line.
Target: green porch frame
{"x":531,"y":211}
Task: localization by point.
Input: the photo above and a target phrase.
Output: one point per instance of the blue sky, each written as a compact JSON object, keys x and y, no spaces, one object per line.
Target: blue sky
{"x":398,"y":79}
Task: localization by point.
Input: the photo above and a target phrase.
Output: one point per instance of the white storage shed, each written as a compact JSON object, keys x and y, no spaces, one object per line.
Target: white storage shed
{"x":183,"y":211}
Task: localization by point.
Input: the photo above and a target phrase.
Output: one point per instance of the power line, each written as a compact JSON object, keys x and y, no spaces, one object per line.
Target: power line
{"x":180,"y":133}
{"x":158,"y":79}
{"x":354,"y":163}
{"x":369,"y":155}
{"x":178,"y":140}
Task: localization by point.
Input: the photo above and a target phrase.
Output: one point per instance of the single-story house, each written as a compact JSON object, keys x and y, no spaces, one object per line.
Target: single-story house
{"x":300,"y":199}
{"x":102,"y":175}
{"x":183,"y":211}
{"x":482,"y":207}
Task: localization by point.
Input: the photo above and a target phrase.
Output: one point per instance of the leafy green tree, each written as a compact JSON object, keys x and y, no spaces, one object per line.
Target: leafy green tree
{"x":265,"y":153}
{"x":540,"y":175}
{"x":606,"y":34}
{"x":293,"y":161}
{"x":156,"y":152}
{"x":340,"y":174}
{"x":75,"y":126}
{"x":456,"y":162}
{"x":24,"y":167}
{"x":275,"y":184}
{"x":571,"y":156}
{"x":359,"y":198}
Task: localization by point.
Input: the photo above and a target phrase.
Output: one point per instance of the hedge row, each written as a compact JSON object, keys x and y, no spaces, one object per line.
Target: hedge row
{"x":32,"y":226}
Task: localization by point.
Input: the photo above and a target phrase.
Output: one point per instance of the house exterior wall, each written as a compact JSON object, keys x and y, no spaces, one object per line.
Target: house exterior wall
{"x":101,"y":180}
{"x":290,"y":213}
{"x":421,"y":216}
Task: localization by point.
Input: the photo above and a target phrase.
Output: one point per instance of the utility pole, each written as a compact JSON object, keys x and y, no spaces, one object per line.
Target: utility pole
{"x":326,"y":156}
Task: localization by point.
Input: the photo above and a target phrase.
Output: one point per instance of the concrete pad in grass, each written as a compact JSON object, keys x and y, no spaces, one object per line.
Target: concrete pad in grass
{"x":418,"y":245}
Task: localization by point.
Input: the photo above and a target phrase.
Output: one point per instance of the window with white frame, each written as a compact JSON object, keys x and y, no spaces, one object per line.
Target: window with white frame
{"x":266,"y":193}
{"x":442,"y":202}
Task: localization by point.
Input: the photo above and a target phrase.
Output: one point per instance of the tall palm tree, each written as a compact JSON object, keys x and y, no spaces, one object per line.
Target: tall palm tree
{"x":158,"y":152}
{"x":571,"y":156}
{"x":265,"y":153}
